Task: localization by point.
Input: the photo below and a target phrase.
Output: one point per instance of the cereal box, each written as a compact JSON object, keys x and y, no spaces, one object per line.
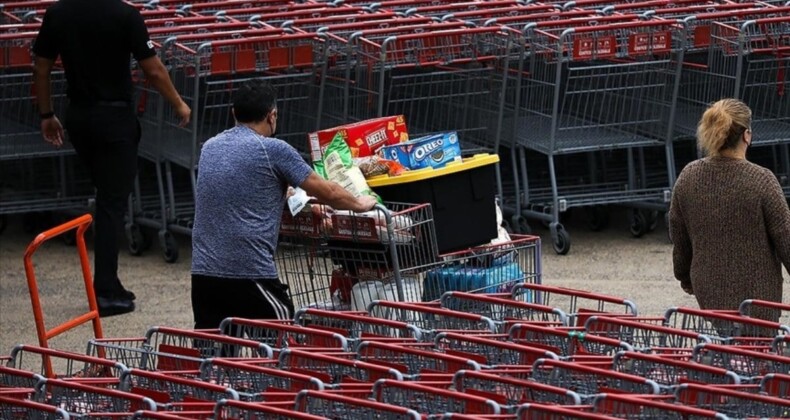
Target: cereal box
{"x":364,"y":138}
{"x":432,"y":151}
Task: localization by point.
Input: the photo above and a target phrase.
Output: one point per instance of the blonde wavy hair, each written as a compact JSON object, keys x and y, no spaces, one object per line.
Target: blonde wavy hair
{"x":722,"y":126}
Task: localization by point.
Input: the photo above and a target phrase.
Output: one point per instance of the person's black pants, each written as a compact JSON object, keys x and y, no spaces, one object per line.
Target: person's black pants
{"x":105,"y":137}
{"x":217,"y":298}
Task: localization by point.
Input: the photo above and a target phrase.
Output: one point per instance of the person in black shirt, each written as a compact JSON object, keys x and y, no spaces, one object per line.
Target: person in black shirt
{"x":95,"y":41}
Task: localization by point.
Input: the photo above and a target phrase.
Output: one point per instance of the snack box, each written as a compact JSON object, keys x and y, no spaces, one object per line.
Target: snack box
{"x":364,"y":138}
{"x":433,"y":151}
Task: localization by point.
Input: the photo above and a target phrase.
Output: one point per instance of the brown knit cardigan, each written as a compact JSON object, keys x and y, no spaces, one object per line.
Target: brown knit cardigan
{"x":730,"y":226}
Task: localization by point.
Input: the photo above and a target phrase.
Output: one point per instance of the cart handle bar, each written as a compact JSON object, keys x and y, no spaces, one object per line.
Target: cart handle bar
{"x":81,"y":225}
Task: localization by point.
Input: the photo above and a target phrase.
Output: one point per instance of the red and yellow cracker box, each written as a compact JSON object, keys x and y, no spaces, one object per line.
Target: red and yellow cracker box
{"x":364,"y":138}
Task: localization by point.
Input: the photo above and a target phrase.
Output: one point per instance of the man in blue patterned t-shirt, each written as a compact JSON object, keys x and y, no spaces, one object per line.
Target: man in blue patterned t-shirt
{"x":243,"y":176}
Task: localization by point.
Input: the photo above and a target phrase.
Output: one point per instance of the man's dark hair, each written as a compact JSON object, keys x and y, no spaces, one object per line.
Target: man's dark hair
{"x":254,"y":100}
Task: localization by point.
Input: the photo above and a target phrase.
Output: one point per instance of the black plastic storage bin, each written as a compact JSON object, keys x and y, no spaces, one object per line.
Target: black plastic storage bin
{"x":462,"y":195}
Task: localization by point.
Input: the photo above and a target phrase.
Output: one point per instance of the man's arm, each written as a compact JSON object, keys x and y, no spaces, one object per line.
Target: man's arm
{"x":334,"y":195}
{"x":51,"y":128}
{"x":156,"y":73}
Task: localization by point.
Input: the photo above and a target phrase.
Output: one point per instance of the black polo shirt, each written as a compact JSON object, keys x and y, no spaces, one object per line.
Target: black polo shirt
{"x":95,"y":40}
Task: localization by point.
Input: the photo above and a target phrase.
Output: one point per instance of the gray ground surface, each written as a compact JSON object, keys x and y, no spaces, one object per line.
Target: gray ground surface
{"x":610,"y":262}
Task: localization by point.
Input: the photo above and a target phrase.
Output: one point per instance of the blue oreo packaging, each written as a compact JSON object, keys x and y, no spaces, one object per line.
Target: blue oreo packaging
{"x":432,"y":151}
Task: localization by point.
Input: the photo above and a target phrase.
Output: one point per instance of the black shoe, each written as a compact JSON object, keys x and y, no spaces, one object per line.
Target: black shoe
{"x":109,"y":306}
{"x":127,"y":294}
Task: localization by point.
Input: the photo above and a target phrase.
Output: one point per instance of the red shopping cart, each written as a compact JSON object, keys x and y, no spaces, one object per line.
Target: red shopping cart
{"x":669,"y":373}
{"x":632,"y":407}
{"x":254,"y":382}
{"x":429,"y":400}
{"x":229,"y":410}
{"x":568,"y":343}
{"x":589,"y":381}
{"x":511,"y":392}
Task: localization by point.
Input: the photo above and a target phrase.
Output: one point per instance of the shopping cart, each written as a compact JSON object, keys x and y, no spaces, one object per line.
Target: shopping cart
{"x":163,"y":415}
{"x":569,"y":344}
{"x":226,"y":410}
{"x":431,"y":400}
{"x":503,"y":309}
{"x":668,"y":373}
{"x":412,"y":362}
{"x":589,"y":381}
{"x":593,"y":88}
{"x":13,"y":408}
{"x":335,"y":371}
{"x":577,"y":304}
{"x":54,"y":363}
{"x":554,"y":412}
{"x":77,"y":398}
{"x":750,"y":365}
{"x":441,"y":80}
{"x":362,"y":256}
{"x":490,"y":353}
{"x":358,"y":326}
{"x":254,"y":382}
{"x":644,"y":337}
{"x":174,"y":350}
{"x":282,"y":334}
{"x":732,"y":403}
{"x":174,"y":393}
{"x":724,"y":327}
{"x":432,"y":319}
{"x":746,"y":59}
{"x":635,"y":407}
{"x":511,"y":392}
{"x":331,"y":405}
{"x":16,"y":381}
{"x":36,"y":176}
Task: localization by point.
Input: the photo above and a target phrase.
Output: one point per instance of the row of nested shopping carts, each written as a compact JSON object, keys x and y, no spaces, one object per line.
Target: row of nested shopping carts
{"x":540,"y":352}
{"x":591,"y":100}
{"x":531,"y":351}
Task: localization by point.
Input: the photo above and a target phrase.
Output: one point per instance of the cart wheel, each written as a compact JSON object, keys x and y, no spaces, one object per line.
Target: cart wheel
{"x":3,"y":222}
{"x":639,"y":225}
{"x":562,"y":241}
{"x":597,"y":218}
{"x":138,"y":240}
{"x":520,"y":225}
{"x":170,"y":247}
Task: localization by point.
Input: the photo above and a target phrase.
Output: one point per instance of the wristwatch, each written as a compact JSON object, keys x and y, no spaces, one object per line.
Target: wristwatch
{"x":47,"y":115}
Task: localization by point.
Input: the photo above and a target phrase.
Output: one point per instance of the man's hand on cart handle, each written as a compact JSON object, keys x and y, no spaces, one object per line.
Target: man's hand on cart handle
{"x":366,"y":203}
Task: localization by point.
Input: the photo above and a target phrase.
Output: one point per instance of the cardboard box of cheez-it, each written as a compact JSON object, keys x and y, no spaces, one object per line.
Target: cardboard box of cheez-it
{"x":364,"y":138}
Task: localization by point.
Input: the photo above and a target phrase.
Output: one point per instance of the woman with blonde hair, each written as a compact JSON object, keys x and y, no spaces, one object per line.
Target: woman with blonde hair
{"x":729,"y":220}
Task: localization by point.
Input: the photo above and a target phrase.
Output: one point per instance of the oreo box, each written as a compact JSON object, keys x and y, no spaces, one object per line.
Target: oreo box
{"x":432,"y":151}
